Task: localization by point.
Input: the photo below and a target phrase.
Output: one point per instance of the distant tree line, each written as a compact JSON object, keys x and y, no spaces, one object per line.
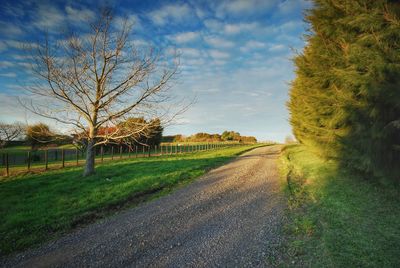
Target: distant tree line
{"x":142,"y":132}
{"x":206,"y":137}
{"x":345,"y":99}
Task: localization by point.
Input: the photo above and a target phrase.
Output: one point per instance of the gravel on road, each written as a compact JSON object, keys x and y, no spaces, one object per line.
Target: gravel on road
{"x":230,"y":217}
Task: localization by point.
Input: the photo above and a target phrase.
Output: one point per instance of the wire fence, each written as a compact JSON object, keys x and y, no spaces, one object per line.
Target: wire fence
{"x":45,"y":159}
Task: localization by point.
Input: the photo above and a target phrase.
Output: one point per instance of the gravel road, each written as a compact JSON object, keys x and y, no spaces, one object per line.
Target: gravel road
{"x":230,"y":217}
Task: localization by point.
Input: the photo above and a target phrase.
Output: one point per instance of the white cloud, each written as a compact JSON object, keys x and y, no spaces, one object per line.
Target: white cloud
{"x":219,"y":62}
{"x":217,"y":54}
{"x":218,"y":42}
{"x":255,"y":44}
{"x":240,"y":27}
{"x":15,"y":44}
{"x":252,"y":45}
{"x":3,"y":46}
{"x":48,"y":17}
{"x":194,"y":62}
{"x":132,"y":20}
{"x":184,"y":37}
{"x":170,"y":13}
{"x":10,"y":74}
{"x":18,"y":44}
{"x":189,"y":52}
{"x":290,"y":6}
{"x":139,"y":43}
{"x":200,"y":12}
{"x":15,"y":10}
{"x":6,"y":64}
{"x":207,"y":90}
{"x":9,"y":29}
{"x":240,"y":7}
{"x":277,"y":47}
{"x":21,"y":57}
{"x":79,"y":15}
{"x":290,"y":25}
{"x":213,"y":25}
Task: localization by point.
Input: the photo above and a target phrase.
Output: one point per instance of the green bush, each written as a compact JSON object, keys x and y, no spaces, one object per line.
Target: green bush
{"x":345,"y":99}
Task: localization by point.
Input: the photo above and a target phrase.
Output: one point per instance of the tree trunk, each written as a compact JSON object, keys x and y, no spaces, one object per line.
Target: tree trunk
{"x":90,"y":158}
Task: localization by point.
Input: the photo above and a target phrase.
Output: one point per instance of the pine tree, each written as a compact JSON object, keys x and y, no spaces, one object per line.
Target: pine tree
{"x":345,"y":99}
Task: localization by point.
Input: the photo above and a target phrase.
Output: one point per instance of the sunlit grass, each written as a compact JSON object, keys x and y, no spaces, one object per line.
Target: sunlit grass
{"x":339,"y":219}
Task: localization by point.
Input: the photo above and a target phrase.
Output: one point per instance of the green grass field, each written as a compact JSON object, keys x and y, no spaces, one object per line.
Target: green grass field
{"x":338,"y":219}
{"x":38,"y":207}
{"x":15,"y":149}
{"x":20,"y":166}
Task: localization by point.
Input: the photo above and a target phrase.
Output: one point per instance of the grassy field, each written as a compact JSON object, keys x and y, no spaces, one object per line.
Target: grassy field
{"x":38,"y":207}
{"x":20,"y":165}
{"x":15,"y":149}
{"x":338,"y":219}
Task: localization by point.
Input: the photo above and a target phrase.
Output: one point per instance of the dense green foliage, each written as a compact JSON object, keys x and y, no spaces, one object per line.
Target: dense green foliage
{"x":141,"y":131}
{"x":132,"y":131}
{"x":37,"y":207}
{"x":345,"y":100}
{"x":337,"y":219}
{"x":39,"y":134}
{"x":206,"y":137}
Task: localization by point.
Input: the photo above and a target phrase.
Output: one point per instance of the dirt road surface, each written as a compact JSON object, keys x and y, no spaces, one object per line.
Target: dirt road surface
{"x":230,"y":217}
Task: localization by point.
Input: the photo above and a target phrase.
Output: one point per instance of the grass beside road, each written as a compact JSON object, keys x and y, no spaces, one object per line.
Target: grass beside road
{"x":38,"y":207}
{"x":336,"y":218}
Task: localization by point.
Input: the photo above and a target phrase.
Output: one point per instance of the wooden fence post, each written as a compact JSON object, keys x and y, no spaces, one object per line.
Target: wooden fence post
{"x":120,"y":152}
{"x":102,"y":153}
{"x":112,"y":152}
{"x":77,"y":156}
{"x":136,"y":151}
{"x":63,"y":157}
{"x":46,"y":159}
{"x":29,"y":160}
{"x":7,"y":166}
{"x":129,"y":151}
{"x":149,"y":148}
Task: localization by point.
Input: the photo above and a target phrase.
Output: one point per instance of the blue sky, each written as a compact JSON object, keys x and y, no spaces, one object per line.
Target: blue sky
{"x":235,"y":56}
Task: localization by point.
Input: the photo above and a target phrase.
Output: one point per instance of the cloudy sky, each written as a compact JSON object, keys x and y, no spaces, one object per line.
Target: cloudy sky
{"x":235,"y":55}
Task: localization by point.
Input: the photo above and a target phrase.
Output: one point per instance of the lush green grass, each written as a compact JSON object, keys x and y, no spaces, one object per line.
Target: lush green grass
{"x":38,"y":207}
{"x":336,"y":218}
{"x":15,"y":149}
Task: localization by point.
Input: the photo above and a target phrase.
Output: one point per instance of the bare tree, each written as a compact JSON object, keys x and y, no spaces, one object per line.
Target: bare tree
{"x":39,"y":134}
{"x":98,"y":79}
{"x":9,"y":132}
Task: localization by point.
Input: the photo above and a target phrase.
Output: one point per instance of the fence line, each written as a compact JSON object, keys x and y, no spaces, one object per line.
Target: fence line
{"x":41,"y":160}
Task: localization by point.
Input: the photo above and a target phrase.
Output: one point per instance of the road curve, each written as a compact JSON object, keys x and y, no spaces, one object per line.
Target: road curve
{"x":229,"y":217}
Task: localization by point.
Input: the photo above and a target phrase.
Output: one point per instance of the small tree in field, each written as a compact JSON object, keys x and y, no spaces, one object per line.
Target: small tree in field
{"x":98,"y":79}
{"x":39,"y":134}
{"x":9,"y":132}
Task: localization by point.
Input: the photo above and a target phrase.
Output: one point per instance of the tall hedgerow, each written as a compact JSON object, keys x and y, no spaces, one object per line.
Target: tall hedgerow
{"x":345,"y":99}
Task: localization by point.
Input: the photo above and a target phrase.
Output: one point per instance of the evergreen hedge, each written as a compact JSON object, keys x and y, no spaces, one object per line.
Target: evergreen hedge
{"x":345,"y":99}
